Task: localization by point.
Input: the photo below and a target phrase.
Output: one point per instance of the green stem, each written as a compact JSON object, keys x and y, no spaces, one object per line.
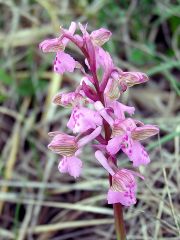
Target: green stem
{"x":118,"y":210}
{"x":119,"y":220}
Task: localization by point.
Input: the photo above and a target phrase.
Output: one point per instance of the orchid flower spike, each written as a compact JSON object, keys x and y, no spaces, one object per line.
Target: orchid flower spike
{"x":96,"y":112}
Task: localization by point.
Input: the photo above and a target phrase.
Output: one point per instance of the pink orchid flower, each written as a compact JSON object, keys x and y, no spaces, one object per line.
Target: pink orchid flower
{"x":98,"y":115}
{"x":126,"y":137}
{"x":63,"y":61}
{"x":123,"y":188}
{"x":57,"y":44}
{"x":70,"y":99}
{"x":70,"y":147}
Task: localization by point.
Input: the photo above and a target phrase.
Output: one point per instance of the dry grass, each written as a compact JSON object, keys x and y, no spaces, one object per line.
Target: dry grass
{"x":36,"y":202}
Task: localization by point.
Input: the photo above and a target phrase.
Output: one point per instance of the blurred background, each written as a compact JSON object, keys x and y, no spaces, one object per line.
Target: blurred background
{"x":36,"y":201}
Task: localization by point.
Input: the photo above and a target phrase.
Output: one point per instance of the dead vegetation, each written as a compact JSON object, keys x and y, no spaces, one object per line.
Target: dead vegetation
{"x":36,"y":201}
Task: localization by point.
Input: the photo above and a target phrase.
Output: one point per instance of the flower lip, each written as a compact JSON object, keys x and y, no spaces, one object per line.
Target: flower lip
{"x":64,"y":63}
{"x":71,"y":165}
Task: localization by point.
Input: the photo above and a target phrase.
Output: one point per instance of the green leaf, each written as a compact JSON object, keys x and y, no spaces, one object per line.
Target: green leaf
{"x":2,"y":98}
{"x":25,"y":88}
{"x":137,"y":56}
{"x":5,"y":78}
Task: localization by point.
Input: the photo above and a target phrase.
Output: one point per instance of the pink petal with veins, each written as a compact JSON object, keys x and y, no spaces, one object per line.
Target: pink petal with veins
{"x":100,"y":36}
{"x":137,"y":154}
{"x":71,"y":165}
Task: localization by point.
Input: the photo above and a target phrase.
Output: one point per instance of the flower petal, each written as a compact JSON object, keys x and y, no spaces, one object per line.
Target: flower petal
{"x":71,"y":30}
{"x":68,"y":99}
{"x":123,"y":180}
{"x":103,"y":59}
{"x":100,"y":36}
{"x":146,"y":131}
{"x":136,"y":153}
{"x":133,"y":78}
{"x":128,"y":125}
{"x":103,"y":161}
{"x":56,"y":44}
{"x":71,"y":165}
{"x":112,"y":91}
{"x":120,"y":109}
{"x":100,"y":108}
{"x":125,"y":198}
{"x":64,"y":63}
{"x":51,"y":45}
{"x":63,"y":144}
{"x":114,"y":145}
{"x":83,"y":141}
{"x":83,"y":119}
